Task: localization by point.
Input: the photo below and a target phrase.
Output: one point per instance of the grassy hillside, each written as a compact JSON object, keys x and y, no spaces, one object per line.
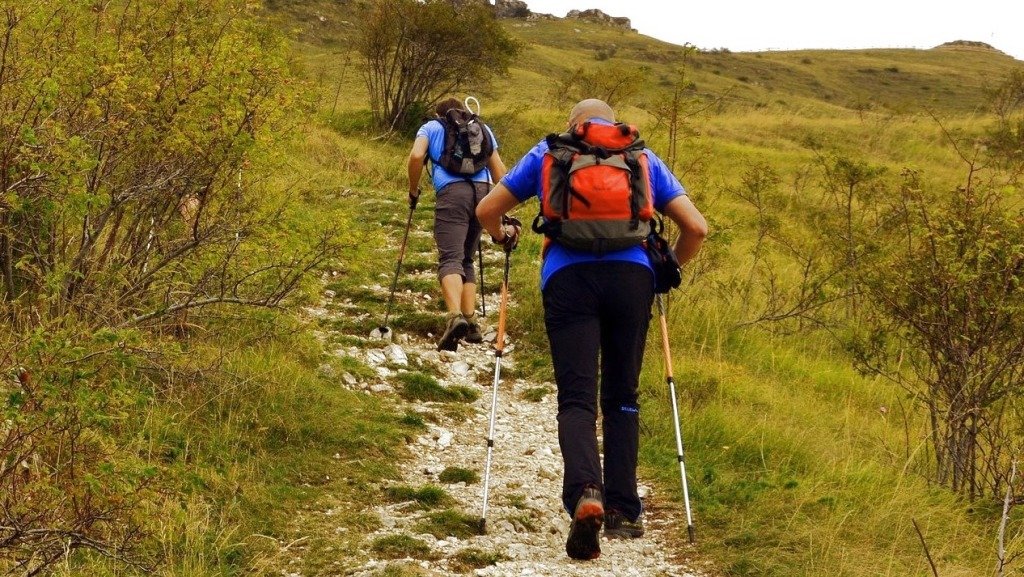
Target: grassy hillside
{"x":798,"y":465}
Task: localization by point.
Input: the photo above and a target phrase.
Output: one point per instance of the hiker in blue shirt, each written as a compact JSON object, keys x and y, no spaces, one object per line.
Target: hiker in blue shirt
{"x":456,"y":228}
{"x":597,"y":306}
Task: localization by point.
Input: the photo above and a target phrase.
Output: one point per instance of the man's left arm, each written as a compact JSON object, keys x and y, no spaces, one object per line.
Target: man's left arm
{"x":693,"y":228}
{"x":675,"y":203}
{"x":496,"y":167}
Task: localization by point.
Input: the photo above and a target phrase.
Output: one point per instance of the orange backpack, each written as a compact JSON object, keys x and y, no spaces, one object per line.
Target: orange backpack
{"x":596,"y":189}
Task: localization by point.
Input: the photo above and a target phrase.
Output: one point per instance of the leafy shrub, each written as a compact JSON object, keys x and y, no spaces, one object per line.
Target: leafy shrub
{"x":132,"y":163}
{"x":66,"y":481}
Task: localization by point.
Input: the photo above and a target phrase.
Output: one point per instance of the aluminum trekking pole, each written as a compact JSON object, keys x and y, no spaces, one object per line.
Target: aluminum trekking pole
{"x":499,"y":349}
{"x":675,"y":417}
{"x":383,"y":329}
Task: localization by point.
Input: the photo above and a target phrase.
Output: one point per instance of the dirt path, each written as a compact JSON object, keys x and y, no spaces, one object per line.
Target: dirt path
{"x":526,"y":523}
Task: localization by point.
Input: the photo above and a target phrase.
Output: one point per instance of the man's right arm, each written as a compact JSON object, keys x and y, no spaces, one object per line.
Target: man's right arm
{"x":417,"y":159}
{"x":492,"y":207}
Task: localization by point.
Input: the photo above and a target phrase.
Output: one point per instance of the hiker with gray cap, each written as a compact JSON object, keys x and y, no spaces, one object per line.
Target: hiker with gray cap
{"x":600,"y":190}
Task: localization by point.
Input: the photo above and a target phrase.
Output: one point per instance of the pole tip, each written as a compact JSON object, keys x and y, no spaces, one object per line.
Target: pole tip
{"x":482,"y":526}
{"x":692,"y":534}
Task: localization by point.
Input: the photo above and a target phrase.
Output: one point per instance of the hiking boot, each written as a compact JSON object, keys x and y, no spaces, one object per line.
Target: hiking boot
{"x":585,"y":529}
{"x":455,"y":329}
{"x":473,"y":334}
{"x":617,"y":526}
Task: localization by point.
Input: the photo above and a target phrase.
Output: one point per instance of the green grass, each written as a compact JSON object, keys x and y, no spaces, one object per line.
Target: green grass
{"x":793,"y":469}
{"x":427,"y":497}
{"x":420,"y":323}
{"x":421,"y":387}
{"x":261,"y":436}
{"x":458,"y":475}
{"x":535,"y":394}
{"x":401,"y":546}
{"x":414,"y":421}
{"x":450,"y":523}
{"x":354,"y":367}
{"x":466,"y":560}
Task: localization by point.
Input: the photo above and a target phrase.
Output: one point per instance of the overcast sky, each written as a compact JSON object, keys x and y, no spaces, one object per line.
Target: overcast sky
{"x":745,"y":25}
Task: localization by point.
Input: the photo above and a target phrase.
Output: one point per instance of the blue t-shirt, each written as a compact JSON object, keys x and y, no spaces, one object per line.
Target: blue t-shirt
{"x":524,"y":182}
{"x":433,"y":131}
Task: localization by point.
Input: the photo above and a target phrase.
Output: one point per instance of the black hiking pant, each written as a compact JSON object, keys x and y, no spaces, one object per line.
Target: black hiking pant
{"x":599,"y":312}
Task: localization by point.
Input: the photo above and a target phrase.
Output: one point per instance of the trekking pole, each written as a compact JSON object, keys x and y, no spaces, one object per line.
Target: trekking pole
{"x":675,"y":417}
{"x":499,"y":348}
{"x":398,"y":267}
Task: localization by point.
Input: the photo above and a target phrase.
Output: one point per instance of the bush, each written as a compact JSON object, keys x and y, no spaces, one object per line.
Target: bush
{"x":130,"y":149}
{"x":66,"y":481}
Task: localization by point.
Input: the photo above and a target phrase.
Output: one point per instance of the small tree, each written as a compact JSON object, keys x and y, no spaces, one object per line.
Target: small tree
{"x":945,"y":285}
{"x":611,"y":82}
{"x":416,"y":52}
{"x":1006,"y":136}
{"x":849,"y":186}
{"x":676,"y":106}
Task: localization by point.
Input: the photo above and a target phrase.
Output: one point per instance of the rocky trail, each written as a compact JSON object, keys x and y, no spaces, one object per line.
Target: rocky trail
{"x":526,"y":524}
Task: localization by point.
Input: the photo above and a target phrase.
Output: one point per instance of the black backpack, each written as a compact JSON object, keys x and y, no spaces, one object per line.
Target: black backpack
{"x":467,"y":143}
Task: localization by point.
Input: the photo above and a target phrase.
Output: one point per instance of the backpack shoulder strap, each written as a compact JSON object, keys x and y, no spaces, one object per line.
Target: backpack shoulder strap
{"x":564,"y":140}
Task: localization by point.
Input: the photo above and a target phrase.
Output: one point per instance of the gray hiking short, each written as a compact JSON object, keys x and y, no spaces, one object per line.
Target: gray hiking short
{"x":456,"y":230}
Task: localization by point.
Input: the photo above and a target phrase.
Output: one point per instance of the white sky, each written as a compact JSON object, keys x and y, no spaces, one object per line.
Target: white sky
{"x":751,"y":25}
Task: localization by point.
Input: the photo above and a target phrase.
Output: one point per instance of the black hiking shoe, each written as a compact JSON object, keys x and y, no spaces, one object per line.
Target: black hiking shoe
{"x":457,"y":328}
{"x":584,"y":541}
{"x":617,"y":526}
{"x":473,"y":334}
